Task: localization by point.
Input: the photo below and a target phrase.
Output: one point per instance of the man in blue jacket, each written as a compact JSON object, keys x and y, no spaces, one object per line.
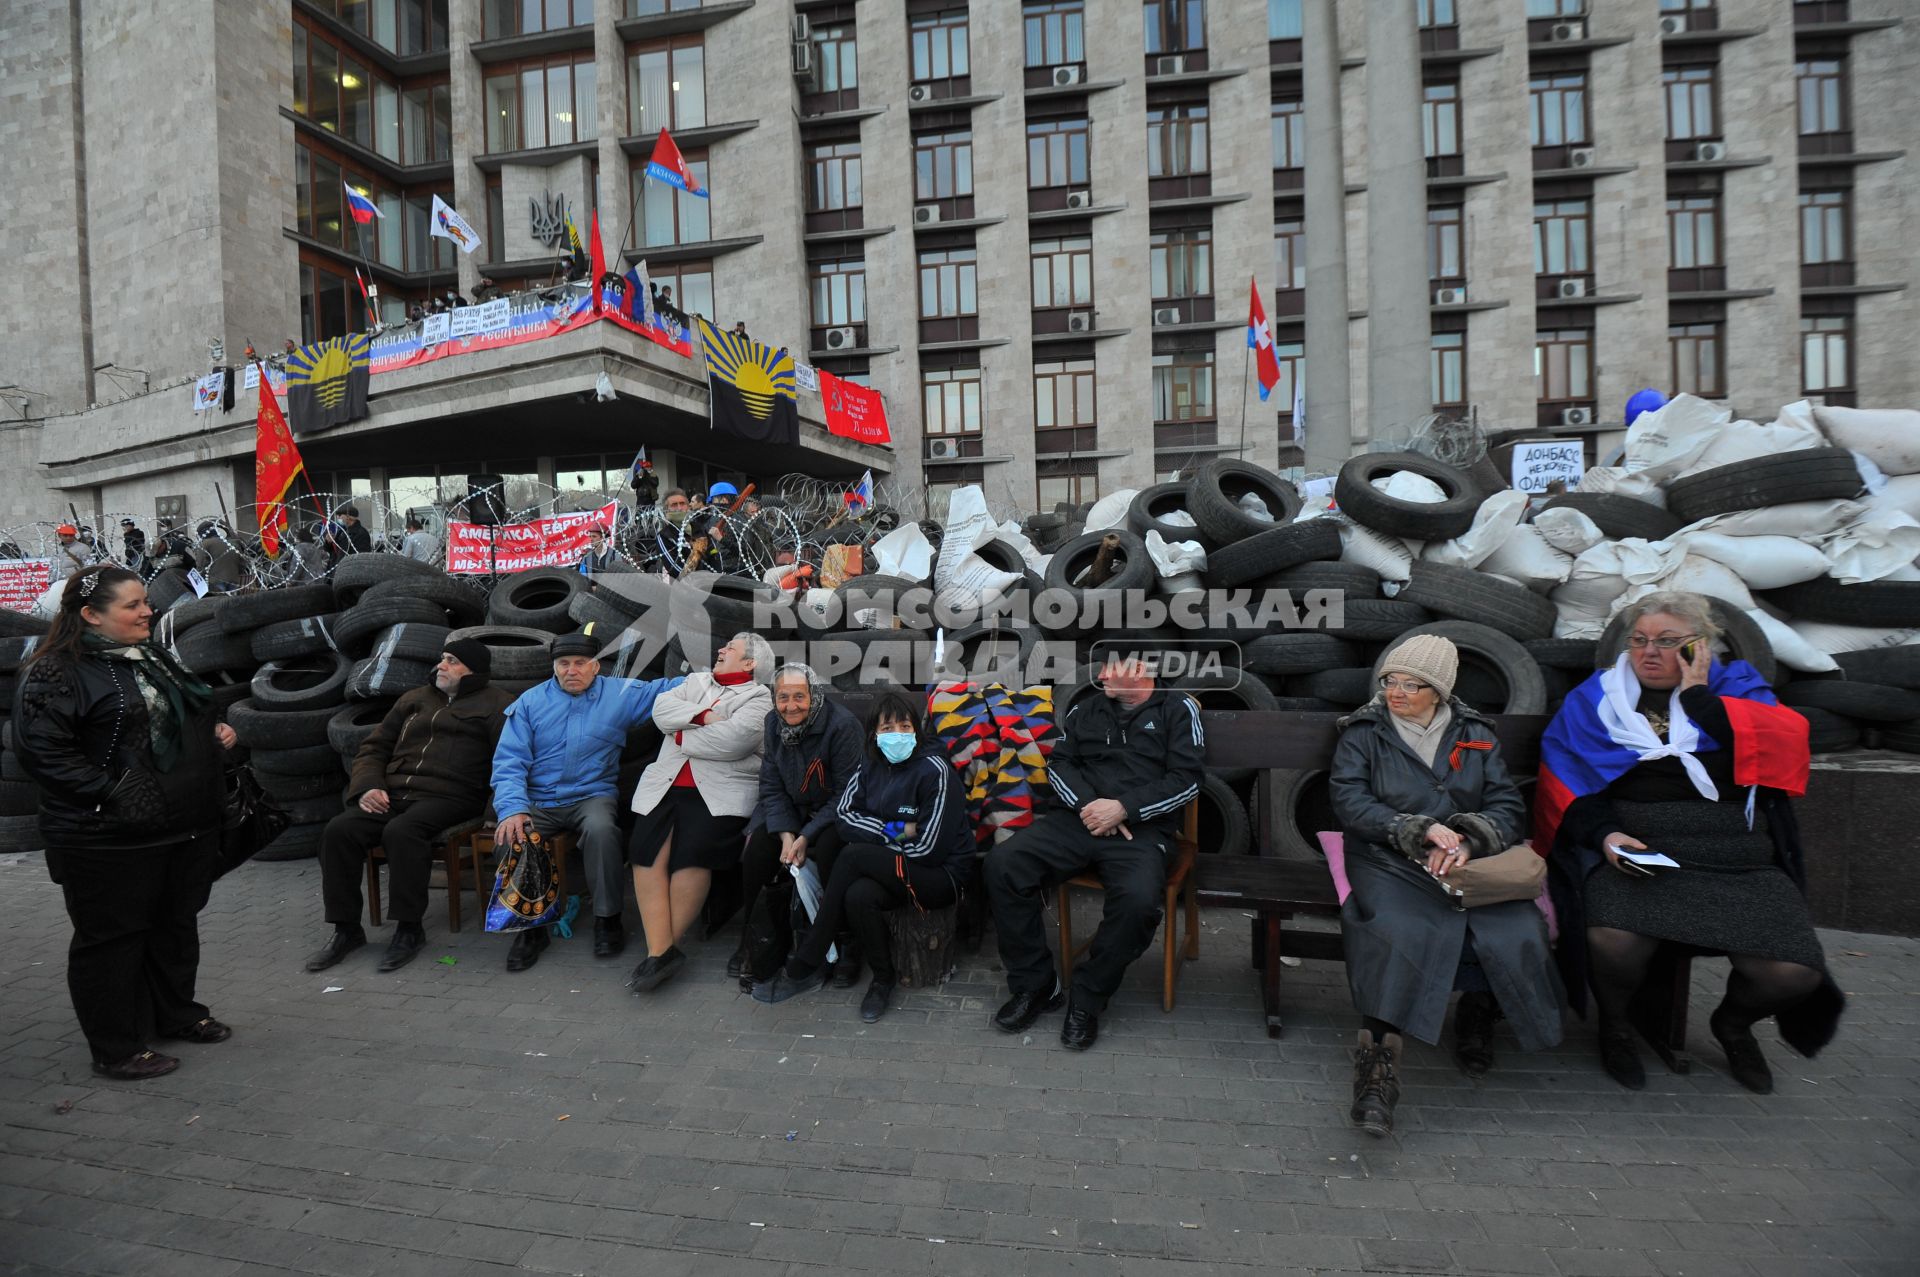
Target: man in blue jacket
{"x":556,"y":770}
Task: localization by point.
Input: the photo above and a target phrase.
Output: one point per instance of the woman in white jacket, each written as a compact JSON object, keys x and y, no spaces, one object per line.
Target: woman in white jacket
{"x":695,"y":798}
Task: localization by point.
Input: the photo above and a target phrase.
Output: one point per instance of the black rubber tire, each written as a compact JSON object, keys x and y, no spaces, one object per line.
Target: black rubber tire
{"x":590,"y":607}
{"x":285,"y":789}
{"x":15,"y":651}
{"x":299,"y":842}
{"x":1265,"y":554}
{"x":890,"y":596}
{"x":226,"y":695}
{"x":1214,"y":492}
{"x":1466,"y":595}
{"x":465,"y":604}
{"x":1306,"y":705}
{"x":1493,"y":653}
{"x":1904,"y":737}
{"x":607,"y":590}
{"x":1895,"y":666}
{"x":984,"y":650}
{"x":998,"y":554}
{"x":737,"y":604}
{"x":242,"y":612}
{"x":375,"y":677}
{"x":1298,"y":653}
{"x":1047,"y":522}
{"x":1224,"y":826}
{"x":536,"y":600}
{"x":307,"y":760}
{"x":895,"y":646}
{"x":1862,"y":702}
{"x":20,"y":625}
{"x":167,"y":588}
{"x":1879,"y":604}
{"x":517,"y":653}
{"x":305,"y":637}
{"x":1365,"y":504}
{"x":1742,"y":636}
{"x":362,"y":622}
{"x":1232,"y":690}
{"x":190,"y":611}
{"x":412,"y":641}
{"x":206,"y":648}
{"x":1355,"y":580}
{"x":1348,"y":688}
{"x":1805,"y":474}
{"x":1619,"y":517}
{"x":1378,"y":620}
{"x":1578,"y":656}
{"x":1151,"y":505}
{"x":348,"y":729}
{"x":1830,"y":733}
{"x":262,"y":729}
{"x":1303,"y":807}
{"x":301,"y":682}
{"x":1132,"y":569}
{"x":358,"y":573}
{"x":520,"y":686}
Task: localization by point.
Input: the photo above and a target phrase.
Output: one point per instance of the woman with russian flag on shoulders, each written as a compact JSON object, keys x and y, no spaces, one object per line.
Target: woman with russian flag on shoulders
{"x":1673,"y":753}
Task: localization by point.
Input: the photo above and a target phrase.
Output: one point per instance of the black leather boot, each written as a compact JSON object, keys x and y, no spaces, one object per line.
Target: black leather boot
{"x":1376,"y":1085}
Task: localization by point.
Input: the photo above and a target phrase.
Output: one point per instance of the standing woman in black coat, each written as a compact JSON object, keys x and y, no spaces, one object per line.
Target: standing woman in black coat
{"x":125,"y":748}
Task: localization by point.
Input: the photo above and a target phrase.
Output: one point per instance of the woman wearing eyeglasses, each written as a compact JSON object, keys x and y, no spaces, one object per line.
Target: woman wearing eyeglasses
{"x":1670,"y":751}
{"x":1419,"y":789}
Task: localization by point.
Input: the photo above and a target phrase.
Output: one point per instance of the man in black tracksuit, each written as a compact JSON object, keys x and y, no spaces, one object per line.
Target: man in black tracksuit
{"x":1126,"y":767}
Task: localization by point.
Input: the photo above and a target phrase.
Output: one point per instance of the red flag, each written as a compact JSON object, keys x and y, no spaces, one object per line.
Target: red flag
{"x":852,"y":410}
{"x":1260,"y":338}
{"x":666,"y":165}
{"x":598,"y":257}
{"x":276,"y":464}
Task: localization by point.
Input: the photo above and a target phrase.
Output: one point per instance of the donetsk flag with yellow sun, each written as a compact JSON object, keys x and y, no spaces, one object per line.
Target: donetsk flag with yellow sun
{"x":750,"y":388}
{"x":327,"y":383}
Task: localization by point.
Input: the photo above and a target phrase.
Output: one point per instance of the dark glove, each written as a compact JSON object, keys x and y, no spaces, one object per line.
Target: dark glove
{"x":1408,"y":836}
{"x":1483,"y":837}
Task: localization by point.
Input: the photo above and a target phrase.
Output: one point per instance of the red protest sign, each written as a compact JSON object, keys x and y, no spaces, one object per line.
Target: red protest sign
{"x":557,"y":541}
{"x":22,"y":582}
{"x":853,"y":411}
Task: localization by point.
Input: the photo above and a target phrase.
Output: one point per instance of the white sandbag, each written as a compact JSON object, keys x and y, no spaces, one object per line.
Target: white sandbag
{"x":1901,"y":494}
{"x":1643,"y":562}
{"x":1695,"y":575}
{"x":1178,"y":519}
{"x":1585,"y":600}
{"x":962,"y":578}
{"x":1809,"y":520}
{"x":1872,"y":477}
{"x":1391,"y":557}
{"x":1851,"y":638}
{"x":1569,"y":531}
{"x":1110,"y":511}
{"x":1405,"y":485}
{"x":1178,"y":558}
{"x":1873,"y":546}
{"x":1764,"y":563}
{"x":1525,"y":556}
{"x":1667,"y":442}
{"x":906,"y":552}
{"x":1254,"y":507}
{"x":1739,"y":441}
{"x":1617,"y":481}
{"x":1493,"y":523}
{"x":1789,"y":648}
{"x":1889,"y":436}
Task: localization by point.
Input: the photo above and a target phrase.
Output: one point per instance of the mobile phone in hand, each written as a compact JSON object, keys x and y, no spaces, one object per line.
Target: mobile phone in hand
{"x":1686,"y":653}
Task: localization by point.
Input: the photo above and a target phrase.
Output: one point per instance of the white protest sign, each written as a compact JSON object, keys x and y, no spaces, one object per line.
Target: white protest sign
{"x":1535,"y":465}
{"x":435,"y":329}
{"x":466,"y":321}
{"x":494,"y":315}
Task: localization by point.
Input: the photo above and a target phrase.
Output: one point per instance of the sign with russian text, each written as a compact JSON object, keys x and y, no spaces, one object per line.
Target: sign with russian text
{"x":852,"y":410}
{"x":1535,"y":465}
{"x":23,"y":581}
{"x":505,"y":321}
{"x":557,"y":541}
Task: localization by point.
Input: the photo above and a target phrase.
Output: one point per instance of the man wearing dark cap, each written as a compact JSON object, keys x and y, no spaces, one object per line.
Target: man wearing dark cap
{"x":557,"y":770}
{"x":423,"y":770}
{"x":134,"y":542}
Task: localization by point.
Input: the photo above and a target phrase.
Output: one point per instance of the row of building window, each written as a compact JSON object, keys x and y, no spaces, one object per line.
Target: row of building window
{"x":342,"y":93}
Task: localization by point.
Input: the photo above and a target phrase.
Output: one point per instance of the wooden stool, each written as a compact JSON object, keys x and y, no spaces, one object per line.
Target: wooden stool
{"x":921,"y":944}
{"x":451,"y":842}
{"x":1179,"y":888}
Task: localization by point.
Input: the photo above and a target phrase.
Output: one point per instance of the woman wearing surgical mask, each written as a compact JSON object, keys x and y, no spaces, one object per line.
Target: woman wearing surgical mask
{"x":904,"y":823}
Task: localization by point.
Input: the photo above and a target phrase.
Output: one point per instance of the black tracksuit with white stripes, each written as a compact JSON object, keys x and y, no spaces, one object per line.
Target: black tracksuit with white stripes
{"x":1149,"y":758}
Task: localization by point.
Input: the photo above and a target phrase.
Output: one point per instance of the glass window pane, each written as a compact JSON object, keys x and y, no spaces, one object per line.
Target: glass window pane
{"x":325,"y":87}
{"x":690,"y":87}
{"x":586,"y":104}
{"x":299,"y":69}
{"x":356,"y":102}
{"x":533,"y":108}
{"x":327,"y":198}
{"x":559,"y":104}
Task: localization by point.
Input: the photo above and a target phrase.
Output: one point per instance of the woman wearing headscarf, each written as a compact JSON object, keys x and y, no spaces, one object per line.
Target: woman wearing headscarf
{"x":695,"y":797}
{"x":1420,"y":790}
{"x":1672,"y":751}
{"x":811,"y":750}
{"x":125,"y":747}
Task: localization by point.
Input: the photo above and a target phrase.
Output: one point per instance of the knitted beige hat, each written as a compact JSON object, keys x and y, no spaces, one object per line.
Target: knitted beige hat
{"x":1427,"y":657}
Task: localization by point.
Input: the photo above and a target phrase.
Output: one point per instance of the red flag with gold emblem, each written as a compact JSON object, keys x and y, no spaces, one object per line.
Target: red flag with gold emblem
{"x":276,"y":464}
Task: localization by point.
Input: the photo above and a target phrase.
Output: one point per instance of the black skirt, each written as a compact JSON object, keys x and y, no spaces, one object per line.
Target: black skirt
{"x":701,"y":840}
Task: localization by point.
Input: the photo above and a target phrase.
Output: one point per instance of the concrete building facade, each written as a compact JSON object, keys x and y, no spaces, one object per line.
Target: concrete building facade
{"x":1030,"y":223}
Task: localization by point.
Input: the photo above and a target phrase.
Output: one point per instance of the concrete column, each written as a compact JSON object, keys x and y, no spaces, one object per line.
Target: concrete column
{"x":613,"y":191}
{"x":1397,"y":321}
{"x":1005,"y":277}
{"x":1243,"y":231}
{"x":1886,"y":206}
{"x":893,"y":285}
{"x":1329,"y":436}
{"x":1122,"y":276}
{"x":464,"y":80}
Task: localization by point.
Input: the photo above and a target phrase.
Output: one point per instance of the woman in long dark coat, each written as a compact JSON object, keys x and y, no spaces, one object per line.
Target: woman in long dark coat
{"x":1419,"y":789}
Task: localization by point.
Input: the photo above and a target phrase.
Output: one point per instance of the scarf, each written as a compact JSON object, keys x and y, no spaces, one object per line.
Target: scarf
{"x":1424,"y":741}
{"x":173,"y":697}
{"x":816,"y":706}
{"x":1626,"y":726}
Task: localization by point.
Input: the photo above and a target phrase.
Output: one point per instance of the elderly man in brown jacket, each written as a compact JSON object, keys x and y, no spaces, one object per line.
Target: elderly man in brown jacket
{"x":424,"y":769}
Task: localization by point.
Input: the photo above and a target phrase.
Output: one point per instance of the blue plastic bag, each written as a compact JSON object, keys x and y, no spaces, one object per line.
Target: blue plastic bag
{"x":526,"y":889}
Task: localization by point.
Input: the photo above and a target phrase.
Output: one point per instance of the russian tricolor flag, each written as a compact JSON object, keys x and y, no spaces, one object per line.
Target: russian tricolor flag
{"x":668,"y":167}
{"x":360,"y":208}
{"x":860,"y":496}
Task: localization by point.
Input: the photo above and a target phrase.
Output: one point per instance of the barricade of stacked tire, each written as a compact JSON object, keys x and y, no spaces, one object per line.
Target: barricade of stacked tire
{"x":19,"y":796}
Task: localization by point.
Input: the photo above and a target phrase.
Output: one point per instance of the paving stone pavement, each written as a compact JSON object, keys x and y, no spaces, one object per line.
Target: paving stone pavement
{"x":457,"y":1119}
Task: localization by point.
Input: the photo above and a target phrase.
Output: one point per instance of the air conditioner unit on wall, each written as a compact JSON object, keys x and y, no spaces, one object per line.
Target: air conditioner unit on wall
{"x":1576,"y":416}
{"x":803,"y":61}
{"x":802,"y":29}
{"x":1570,"y":288}
{"x":926,"y":214}
{"x":1565,"y":31}
{"x":840,"y":339}
{"x":1711,"y":152}
{"x":1449,"y":296}
{"x":1174,"y":64}
{"x":919,"y":93}
{"x":1079,"y":199}
{"x":1063,"y":76}
{"x":1166,"y":315}
{"x":1582,"y":157}
{"x":942,"y":449}
{"x":1080,"y":321}
{"x":1673,"y":24}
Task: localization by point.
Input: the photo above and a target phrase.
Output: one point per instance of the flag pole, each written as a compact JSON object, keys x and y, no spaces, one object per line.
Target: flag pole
{"x":1245,"y":363}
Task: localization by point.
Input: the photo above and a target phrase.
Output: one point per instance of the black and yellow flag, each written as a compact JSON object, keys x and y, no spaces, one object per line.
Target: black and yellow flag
{"x":750,"y":387}
{"x":327,"y":383}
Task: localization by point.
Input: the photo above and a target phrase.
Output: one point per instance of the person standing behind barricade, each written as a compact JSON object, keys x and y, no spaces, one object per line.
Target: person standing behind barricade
{"x":419,"y":544}
{"x":811,"y":749}
{"x":557,"y":769}
{"x":73,"y":555}
{"x":600,"y":557}
{"x":134,"y":544}
{"x":675,"y":509}
{"x":127,"y":752}
{"x":347,"y":535}
{"x":1126,"y":765}
{"x":695,"y":797}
